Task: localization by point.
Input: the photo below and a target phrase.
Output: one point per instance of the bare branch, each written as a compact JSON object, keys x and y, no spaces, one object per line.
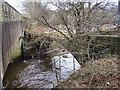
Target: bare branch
{"x":54,"y":28}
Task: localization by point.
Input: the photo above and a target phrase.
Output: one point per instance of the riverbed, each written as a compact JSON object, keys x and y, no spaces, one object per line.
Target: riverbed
{"x":45,"y":72}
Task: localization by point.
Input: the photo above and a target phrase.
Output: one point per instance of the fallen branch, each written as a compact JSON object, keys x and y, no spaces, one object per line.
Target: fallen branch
{"x":91,"y":80}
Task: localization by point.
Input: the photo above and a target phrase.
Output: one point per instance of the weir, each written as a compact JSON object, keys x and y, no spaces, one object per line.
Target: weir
{"x":10,"y":36}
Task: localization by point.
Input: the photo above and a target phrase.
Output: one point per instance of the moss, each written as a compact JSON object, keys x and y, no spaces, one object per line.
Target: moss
{"x":16,"y":54}
{"x":17,"y":51}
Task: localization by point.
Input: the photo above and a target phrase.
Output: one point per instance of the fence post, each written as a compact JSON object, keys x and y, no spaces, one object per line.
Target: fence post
{"x":118,"y":26}
{"x":119,"y":15}
{"x":1,"y":76}
{"x":119,"y":47}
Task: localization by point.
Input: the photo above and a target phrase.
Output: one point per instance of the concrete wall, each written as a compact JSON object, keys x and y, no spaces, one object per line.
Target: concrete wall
{"x":101,"y":46}
{"x":10,"y":32}
{"x":105,"y":44}
{"x":1,"y":76}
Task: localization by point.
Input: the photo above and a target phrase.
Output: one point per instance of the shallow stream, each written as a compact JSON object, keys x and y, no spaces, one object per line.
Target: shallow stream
{"x":41,"y":73}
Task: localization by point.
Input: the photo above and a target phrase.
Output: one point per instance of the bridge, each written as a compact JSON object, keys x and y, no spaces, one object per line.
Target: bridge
{"x":10,"y":33}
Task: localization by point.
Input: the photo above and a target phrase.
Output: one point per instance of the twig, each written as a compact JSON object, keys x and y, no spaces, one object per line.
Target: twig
{"x":91,"y":80}
{"x":54,"y":28}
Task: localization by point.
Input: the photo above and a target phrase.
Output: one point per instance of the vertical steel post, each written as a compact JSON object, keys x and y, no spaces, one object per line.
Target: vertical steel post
{"x":118,"y":26}
{"x":1,"y":76}
{"x":119,"y":15}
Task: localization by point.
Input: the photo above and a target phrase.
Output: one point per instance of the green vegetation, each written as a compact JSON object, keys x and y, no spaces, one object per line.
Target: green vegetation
{"x":16,"y":53}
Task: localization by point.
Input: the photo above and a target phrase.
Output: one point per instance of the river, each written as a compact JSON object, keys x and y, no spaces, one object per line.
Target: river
{"x":41,"y":73}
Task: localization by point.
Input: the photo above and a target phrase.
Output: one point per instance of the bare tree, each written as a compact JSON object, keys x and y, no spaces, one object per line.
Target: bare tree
{"x":79,"y":19}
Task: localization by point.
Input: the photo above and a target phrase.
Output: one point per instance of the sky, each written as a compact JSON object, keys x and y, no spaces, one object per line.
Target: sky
{"x":17,"y":4}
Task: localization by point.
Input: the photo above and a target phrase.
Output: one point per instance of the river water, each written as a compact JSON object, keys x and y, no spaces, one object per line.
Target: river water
{"x":41,"y":73}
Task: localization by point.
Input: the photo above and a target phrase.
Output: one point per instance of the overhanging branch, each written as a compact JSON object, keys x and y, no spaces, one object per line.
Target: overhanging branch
{"x":54,"y":28}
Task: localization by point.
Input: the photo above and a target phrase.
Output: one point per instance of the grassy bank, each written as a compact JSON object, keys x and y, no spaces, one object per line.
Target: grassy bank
{"x":102,"y":73}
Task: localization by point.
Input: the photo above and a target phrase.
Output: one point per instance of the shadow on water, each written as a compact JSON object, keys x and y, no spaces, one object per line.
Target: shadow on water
{"x":40,"y":73}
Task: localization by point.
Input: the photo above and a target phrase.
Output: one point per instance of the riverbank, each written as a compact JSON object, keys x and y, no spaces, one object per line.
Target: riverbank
{"x":102,"y":73}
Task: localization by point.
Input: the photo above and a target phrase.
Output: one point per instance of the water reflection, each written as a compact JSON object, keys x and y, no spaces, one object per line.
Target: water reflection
{"x":43,"y":73}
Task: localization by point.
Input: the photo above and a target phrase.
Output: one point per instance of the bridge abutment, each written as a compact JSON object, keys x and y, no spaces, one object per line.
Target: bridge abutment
{"x":10,"y":33}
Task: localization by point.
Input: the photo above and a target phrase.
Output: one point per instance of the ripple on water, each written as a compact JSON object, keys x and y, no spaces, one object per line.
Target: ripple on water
{"x":41,"y":73}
